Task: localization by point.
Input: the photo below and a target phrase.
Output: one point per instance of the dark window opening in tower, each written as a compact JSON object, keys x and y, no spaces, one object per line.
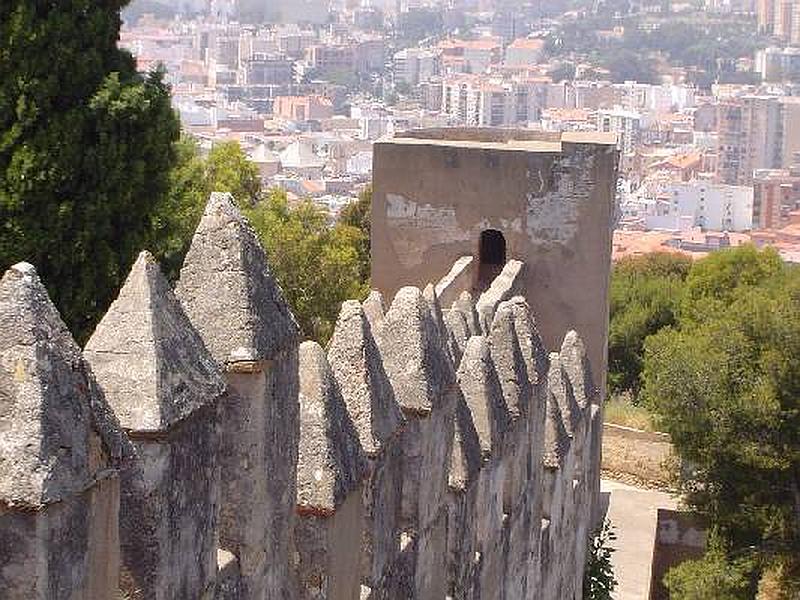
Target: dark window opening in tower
{"x":491,"y":257}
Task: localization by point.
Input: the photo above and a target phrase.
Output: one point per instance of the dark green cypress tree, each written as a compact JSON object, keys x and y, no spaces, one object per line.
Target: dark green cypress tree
{"x":86,"y":148}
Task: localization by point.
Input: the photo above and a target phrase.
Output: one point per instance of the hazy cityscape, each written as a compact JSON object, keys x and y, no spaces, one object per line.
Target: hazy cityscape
{"x":708,"y":134}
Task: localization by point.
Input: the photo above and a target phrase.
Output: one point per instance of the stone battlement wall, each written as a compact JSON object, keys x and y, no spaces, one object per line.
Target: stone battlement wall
{"x":196,"y":449}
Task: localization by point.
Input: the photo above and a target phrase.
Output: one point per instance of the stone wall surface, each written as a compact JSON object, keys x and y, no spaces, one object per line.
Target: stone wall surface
{"x":197,"y":450}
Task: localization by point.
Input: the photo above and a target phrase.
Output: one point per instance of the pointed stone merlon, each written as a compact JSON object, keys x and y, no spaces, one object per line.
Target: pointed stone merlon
{"x":578,"y":372}
{"x":226,"y":273}
{"x":505,"y":285}
{"x":508,"y":356}
{"x":466,"y":455}
{"x":423,"y":378}
{"x":371,"y":404}
{"x":525,"y":534}
{"x":463,"y":483}
{"x":449,"y":342}
{"x":462,"y":321}
{"x":165,"y":387}
{"x":328,"y":532}
{"x":414,"y":354}
{"x":374,"y":309}
{"x":357,"y":366}
{"x":480,"y":386}
{"x":234,"y":302}
{"x":556,"y":456}
{"x":59,"y":496}
{"x":459,"y":279}
{"x":575,"y":362}
{"x":568,"y":495}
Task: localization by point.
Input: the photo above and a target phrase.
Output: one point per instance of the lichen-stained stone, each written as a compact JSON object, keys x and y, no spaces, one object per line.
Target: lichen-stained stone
{"x":413,"y":354}
{"x":576,"y":365}
{"x":526,"y":520}
{"x":480,"y":386}
{"x":556,"y":437}
{"x":504,"y":286}
{"x":374,"y":309}
{"x":510,"y":361}
{"x":148,"y":358}
{"x":356,"y":364}
{"x":450,"y":344}
{"x":369,"y":397}
{"x":45,"y":419}
{"x":59,"y":496}
{"x":561,"y":389}
{"x":165,"y":387}
{"x":331,"y":462}
{"x":328,"y":533}
{"x":233,"y":301}
{"x":226,"y":273}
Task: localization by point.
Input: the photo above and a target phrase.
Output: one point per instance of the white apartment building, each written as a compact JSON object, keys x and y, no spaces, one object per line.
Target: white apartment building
{"x":625,"y":123}
{"x":702,"y":204}
{"x":476,"y":102}
{"x":415,"y":65}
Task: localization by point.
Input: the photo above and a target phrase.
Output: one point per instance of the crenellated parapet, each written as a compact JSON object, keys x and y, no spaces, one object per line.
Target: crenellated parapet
{"x":196,"y":449}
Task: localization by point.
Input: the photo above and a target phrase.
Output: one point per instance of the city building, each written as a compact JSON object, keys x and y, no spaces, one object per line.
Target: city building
{"x":302,"y":108}
{"x":416,"y":65}
{"x":703,"y":204}
{"x":626,"y":124}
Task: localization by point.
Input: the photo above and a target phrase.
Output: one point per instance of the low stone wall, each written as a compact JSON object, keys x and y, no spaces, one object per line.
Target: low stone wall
{"x":635,"y":454}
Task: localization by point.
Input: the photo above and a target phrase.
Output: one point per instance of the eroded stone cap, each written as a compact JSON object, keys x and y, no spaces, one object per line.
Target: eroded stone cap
{"x":330,"y":462}
{"x":356,"y":363}
{"x":450,"y":344}
{"x":149,"y":360}
{"x":481,"y":389}
{"x":531,"y":344}
{"x":374,"y":309}
{"x":503,"y":287}
{"x":413,"y":353}
{"x":228,"y":292}
{"x":561,"y":389}
{"x":509,"y":361}
{"x":556,"y":437}
{"x":45,"y":403}
{"x":465,"y":461}
{"x":578,"y":369}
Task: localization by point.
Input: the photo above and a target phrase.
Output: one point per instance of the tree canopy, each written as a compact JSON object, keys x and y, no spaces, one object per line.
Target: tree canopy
{"x":644,"y":297}
{"x":722,"y":377}
{"x":86,"y":149}
{"x":318,"y":264}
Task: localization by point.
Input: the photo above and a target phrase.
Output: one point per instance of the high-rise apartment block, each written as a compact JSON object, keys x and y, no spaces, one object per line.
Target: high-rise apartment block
{"x":755,"y":132}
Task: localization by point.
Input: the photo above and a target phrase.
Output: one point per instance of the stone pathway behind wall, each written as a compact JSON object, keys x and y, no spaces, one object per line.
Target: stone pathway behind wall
{"x":632,"y":512}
